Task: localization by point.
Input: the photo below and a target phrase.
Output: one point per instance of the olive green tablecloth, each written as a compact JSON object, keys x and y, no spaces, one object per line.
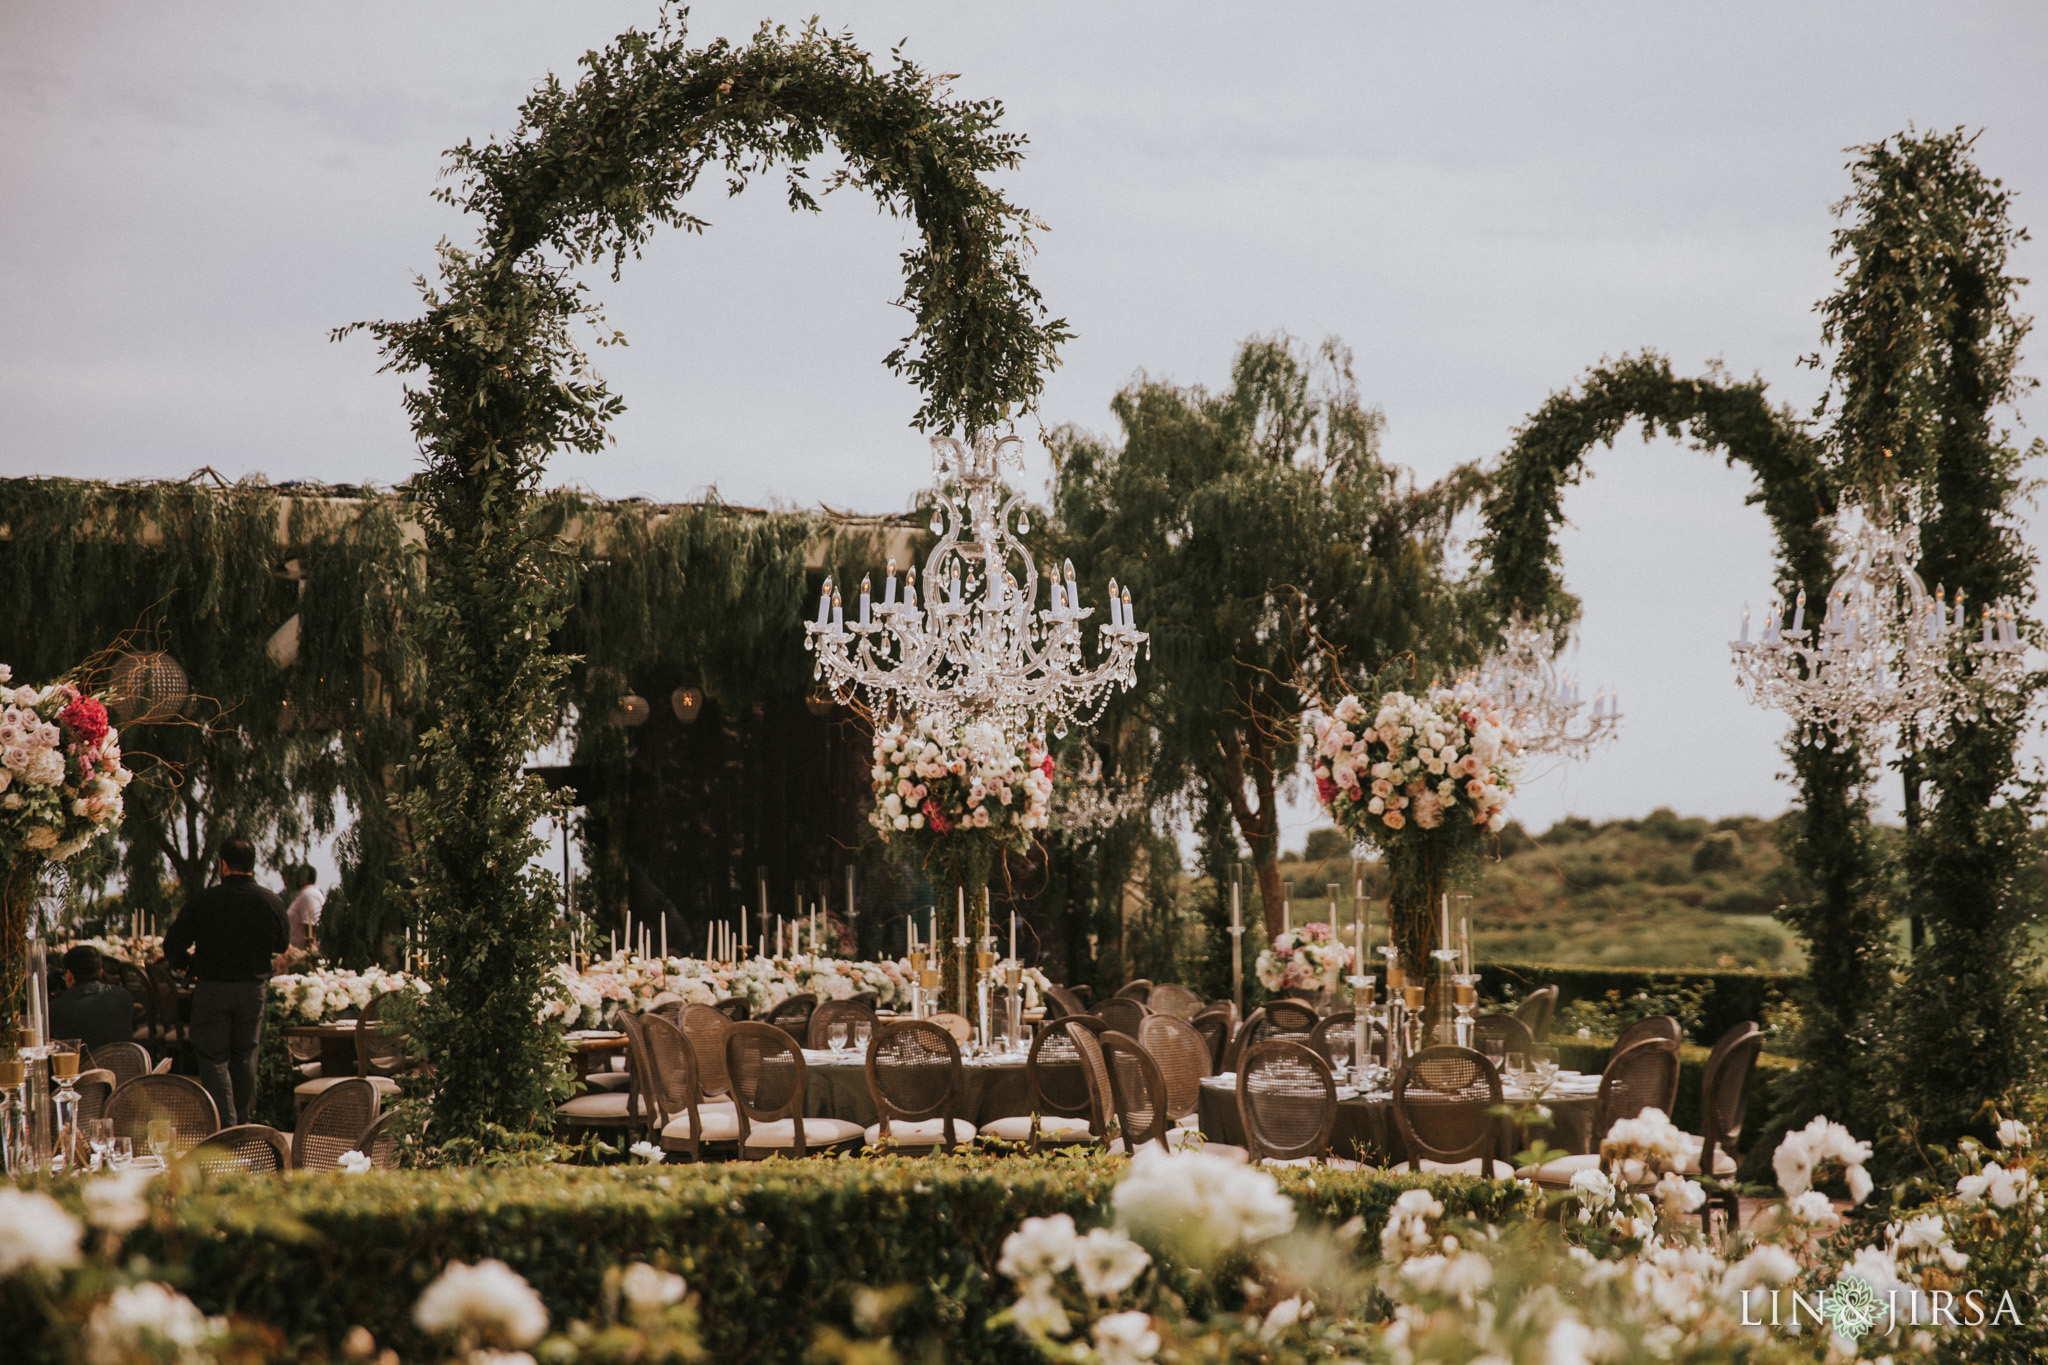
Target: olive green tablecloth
{"x":1366,"y":1131}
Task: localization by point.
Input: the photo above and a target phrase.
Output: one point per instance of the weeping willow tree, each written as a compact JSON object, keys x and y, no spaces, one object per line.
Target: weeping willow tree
{"x":281,"y":738}
{"x":589,"y":173}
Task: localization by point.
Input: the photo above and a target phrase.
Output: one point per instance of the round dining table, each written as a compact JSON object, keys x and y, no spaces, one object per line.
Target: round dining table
{"x":992,"y":1086}
{"x":1366,"y":1131}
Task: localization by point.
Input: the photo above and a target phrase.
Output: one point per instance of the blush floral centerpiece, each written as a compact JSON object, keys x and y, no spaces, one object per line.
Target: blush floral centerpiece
{"x":61,"y":779}
{"x":1425,"y":780}
{"x":954,"y":798}
{"x":1307,"y":959}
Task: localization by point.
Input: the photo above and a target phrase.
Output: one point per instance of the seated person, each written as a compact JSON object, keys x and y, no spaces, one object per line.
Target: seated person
{"x":90,"y":1008}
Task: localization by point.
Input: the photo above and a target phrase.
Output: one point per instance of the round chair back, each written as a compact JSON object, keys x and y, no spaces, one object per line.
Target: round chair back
{"x":1139,"y":990}
{"x":1284,"y":1018}
{"x":1649,"y":1026}
{"x":333,"y":1122}
{"x":125,"y":1060}
{"x":1137,"y":1090}
{"x":1123,"y":1014}
{"x":838,"y":1014}
{"x":1513,"y":1034}
{"x":1286,"y":1101}
{"x":793,"y":1016}
{"x":1642,"y":1076}
{"x":180,"y":1099}
{"x":913,"y":1071}
{"x":1055,"y":1077}
{"x":706,"y":1026}
{"x":245,"y":1147}
{"x":1537,"y":1009}
{"x":380,"y":1144}
{"x":1061,"y":1002}
{"x":1183,"y":1057}
{"x":766,"y":1069}
{"x":1441,"y":1098}
{"x":1175,"y":1000}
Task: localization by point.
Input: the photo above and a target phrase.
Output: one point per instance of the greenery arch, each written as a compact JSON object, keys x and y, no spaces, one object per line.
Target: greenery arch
{"x":589,"y":172}
{"x":1845,"y":919}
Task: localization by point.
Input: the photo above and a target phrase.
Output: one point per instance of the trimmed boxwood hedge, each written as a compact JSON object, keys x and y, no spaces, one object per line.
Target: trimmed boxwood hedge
{"x":1730,"y":995}
{"x":774,"y":1249}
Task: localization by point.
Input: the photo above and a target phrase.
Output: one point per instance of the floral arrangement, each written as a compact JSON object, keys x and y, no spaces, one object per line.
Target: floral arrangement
{"x":636,"y":984}
{"x":135,"y":949}
{"x":325,"y":993}
{"x":1306,"y":958}
{"x":1619,"y":1274}
{"x":964,"y":793}
{"x":1447,"y":760}
{"x":61,"y":774}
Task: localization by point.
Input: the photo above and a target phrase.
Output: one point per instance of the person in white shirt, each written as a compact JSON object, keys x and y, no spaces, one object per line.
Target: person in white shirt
{"x":304,"y":911}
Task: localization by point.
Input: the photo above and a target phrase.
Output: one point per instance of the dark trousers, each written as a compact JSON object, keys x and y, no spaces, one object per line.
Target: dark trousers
{"x":227,"y":1021}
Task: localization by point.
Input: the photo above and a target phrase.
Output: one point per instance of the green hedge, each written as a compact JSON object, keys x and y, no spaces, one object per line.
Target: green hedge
{"x":1728,"y":997}
{"x":774,"y":1249}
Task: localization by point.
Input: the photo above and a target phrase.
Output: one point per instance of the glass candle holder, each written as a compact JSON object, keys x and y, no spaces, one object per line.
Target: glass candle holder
{"x":68,"y":1145}
{"x":1445,"y":963}
{"x":1465,"y":1001}
{"x":14,"y":1145}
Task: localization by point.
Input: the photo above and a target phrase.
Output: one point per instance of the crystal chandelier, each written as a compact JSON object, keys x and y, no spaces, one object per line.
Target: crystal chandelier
{"x":1882,"y":652}
{"x":975,"y":646}
{"x":1092,"y":806}
{"x":1543,"y":704}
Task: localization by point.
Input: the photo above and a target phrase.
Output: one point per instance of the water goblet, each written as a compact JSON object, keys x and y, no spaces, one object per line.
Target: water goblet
{"x":862,"y":1032}
{"x":1518,"y":1069}
{"x":121,"y":1154}
{"x":1495,"y":1051}
{"x":835,"y":1036}
{"x":160,"y":1135}
{"x":99,"y":1135}
{"x":1545,"y":1059}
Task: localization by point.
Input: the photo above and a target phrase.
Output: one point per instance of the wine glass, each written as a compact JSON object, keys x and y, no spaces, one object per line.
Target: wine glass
{"x":835,"y":1035}
{"x":862,"y":1031}
{"x":1518,"y":1069}
{"x":99,"y":1135}
{"x":122,"y":1153}
{"x":1340,"y":1056}
{"x":1495,"y":1050}
{"x":1545,"y":1059}
{"x":160,"y":1135}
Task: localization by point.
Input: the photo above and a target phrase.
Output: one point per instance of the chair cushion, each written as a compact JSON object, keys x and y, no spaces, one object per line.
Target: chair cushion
{"x":306,"y":1090}
{"x":1051,"y":1128}
{"x":608,"y":1080}
{"x":1476,"y":1166}
{"x":1558,"y":1172}
{"x":819,"y":1132}
{"x":600,"y":1104}
{"x":1335,"y":1163}
{"x":923,"y":1133}
{"x":721,"y":1124}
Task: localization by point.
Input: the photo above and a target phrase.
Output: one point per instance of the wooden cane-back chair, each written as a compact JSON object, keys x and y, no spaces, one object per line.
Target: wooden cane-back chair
{"x":1060,"y":1100}
{"x":1634,"y":1080}
{"x":1176,"y":1000}
{"x":1139,"y":990}
{"x":1724,"y":1103}
{"x":1061,"y":1002}
{"x":674,"y":1087}
{"x":959,"y":1025}
{"x":735,"y":1008}
{"x":1123,"y":1014}
{"x":1536,"y":1011}
{"x":125,"y":1060}
{"x":914,"y":1076}
{"x":94,"y":1089}
{"x":1649,"y":1026}
{"x":1286,"y":1101}
{"x":838,"y":1013}
{"x":246,"y":1147}
{"x":333,"y":1122}
{"x":706,"y":1026}
{"x":766,"y":1070}
{"x":1137,"y":1092}
{"x":1216,"y":1024}
{"x":1442,"y":1099}
{"x":1183,"y":1057}
{"x":1343,"y":1024}
{"x":1512,"y":1033}
{"x":626,"y":1110}
{"x":793,"y":1016}
{"x":1287,"y":1017}
{"x":180,"y":1099}
{"x":380,"y":1144}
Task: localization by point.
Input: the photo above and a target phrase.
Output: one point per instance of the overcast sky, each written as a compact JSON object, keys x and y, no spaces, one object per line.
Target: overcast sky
{"x":1482,"y":200}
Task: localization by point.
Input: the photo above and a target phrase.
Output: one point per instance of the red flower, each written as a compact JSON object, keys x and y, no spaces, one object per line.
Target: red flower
{"x":86,"y":719}
{"x":1326,"y":790}
{"x":935,"y":819}
{"x":1047,"y":765}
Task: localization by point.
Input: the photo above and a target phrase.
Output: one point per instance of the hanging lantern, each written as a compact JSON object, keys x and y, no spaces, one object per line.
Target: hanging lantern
{"x":686,"y":702}
{"x":631,"y":711}
{"x":149,"y":689}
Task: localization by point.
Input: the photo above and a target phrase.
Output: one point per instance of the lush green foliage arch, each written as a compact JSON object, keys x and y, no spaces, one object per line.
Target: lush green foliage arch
{"x":589,"y":172}
{"x":1845,"y":918}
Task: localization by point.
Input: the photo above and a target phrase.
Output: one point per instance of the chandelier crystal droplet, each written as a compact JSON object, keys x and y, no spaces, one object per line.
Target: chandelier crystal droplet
{"x":976,"y":645}
{"x":1883,"y":651}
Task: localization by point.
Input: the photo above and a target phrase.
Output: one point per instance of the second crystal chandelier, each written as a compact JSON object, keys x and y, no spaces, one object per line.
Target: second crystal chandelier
{"x":970,"y":641}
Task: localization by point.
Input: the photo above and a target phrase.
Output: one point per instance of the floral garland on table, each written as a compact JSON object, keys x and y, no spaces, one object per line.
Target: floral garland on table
{"x":1305,"y":958}
{"x":1424,"y":780}
{"x":586,"y":999}
{"x":138,"y":950}
{"x":324,"y":993}
{"x":960,"y":795}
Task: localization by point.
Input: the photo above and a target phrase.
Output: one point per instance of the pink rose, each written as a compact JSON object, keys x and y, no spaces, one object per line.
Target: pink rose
{"x":1394,"y":819}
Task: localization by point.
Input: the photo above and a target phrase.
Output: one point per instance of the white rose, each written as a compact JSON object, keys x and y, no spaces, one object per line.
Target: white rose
{"x":489,"y":1295}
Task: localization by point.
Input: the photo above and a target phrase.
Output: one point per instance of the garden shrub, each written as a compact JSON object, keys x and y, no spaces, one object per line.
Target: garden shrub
{"x":1720,"y":998}
{"x":774,"y":1249}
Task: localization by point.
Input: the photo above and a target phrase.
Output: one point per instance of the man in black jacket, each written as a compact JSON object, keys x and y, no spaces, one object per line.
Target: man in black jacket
{"x":230,"y":932}
{"x":91,"y":1008}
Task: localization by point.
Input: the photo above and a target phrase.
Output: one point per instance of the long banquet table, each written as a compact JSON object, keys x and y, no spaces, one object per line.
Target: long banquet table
{"x":992,"y":1086}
